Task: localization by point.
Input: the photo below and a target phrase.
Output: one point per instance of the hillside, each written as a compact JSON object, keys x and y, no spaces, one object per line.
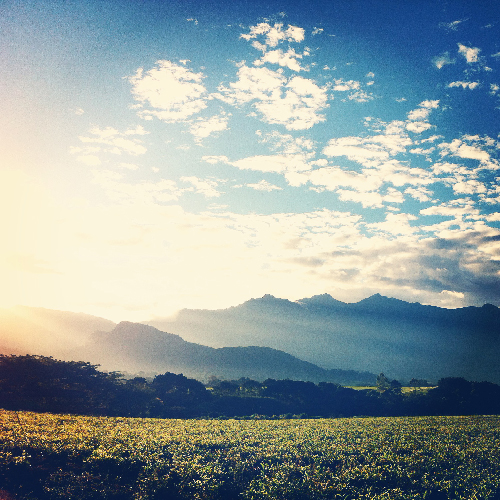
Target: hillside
{"x":402,"y":339}
{"x":36,"y":330}
{"x":141,"y":348}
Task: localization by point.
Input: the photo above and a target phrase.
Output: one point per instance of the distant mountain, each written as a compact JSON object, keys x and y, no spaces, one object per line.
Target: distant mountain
{"x":35,"y":330}
{"x":141,"y":348}
{"x":377,"y":334}
{"x":317,"y":338}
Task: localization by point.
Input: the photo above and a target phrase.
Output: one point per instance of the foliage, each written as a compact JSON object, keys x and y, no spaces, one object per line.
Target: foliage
{"x":37,"y":383}
{"x":45,"y":456}
{"x":41,"y":383}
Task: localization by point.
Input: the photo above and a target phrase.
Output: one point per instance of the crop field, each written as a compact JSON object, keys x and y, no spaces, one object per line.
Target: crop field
{"x":47,"y":456}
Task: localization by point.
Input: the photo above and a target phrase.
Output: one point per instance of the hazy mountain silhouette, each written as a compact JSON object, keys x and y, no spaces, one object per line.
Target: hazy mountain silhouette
{"x":35,"y":330}
{"x":142,"y":348}
{"x":402,"y":339}
{"x":377,"y":334}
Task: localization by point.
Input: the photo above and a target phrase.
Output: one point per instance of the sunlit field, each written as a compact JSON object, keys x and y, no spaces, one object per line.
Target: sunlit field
{"x":64,"y":456}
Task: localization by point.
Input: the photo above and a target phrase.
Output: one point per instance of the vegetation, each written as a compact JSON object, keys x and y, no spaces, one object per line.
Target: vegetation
{"x":37,"y":383}
{"x":46,"y":456}
{"x":87,"y":455}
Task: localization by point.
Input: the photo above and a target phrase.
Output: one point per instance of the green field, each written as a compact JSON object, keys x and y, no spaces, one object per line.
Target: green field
{"x":75,"y":457}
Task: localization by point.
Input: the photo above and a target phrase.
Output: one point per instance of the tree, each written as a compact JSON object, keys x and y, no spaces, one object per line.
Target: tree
{"x":179,"y":396}
{"x":40,"y":383}
{"x":383,"y":383}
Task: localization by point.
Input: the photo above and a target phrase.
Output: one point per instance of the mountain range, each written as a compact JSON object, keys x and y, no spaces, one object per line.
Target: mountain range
{"x":316,"y":339}
{"x":378,"y":334}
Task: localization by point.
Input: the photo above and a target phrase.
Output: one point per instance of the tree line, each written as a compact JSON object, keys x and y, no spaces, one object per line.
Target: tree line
{"x":43,"y":384}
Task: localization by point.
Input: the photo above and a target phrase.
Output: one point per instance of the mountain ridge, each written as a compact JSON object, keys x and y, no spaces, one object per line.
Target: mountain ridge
{"x":375,"y":334}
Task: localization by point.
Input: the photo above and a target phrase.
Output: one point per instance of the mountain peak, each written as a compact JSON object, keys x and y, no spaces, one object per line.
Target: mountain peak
{"x":378,"y":299}
{"x":322,"y":300}
{"x":268,"y":296}
{"x":269,"y":300}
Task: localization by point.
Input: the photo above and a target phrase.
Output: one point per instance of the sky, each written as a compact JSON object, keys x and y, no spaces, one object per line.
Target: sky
{"x":164,"y":155}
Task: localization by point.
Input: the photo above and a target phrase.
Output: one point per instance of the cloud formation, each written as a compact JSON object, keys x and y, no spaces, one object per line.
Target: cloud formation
{"x":279,"y":159}
{"x":169,"y":91}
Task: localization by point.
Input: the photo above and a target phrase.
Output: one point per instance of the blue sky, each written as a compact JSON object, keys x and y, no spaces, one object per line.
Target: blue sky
{"x":162,"y":155}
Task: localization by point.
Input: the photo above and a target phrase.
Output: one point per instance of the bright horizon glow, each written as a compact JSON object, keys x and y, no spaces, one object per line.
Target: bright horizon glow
{"x":167,"y":156}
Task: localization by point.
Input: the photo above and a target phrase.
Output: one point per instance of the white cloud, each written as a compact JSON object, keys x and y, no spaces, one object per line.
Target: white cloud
{"x":418,"y":127}
{"x":391,"y":141}
{"x":331,"y":178}
{"x":139,"y":130}
{"x":494,"y":217}
{"x":442,"y":60}
{"x":417,"y":121}
{"x":215,"y":159}
{"x":354,"y":87}
{"x":361,"y":96}
{"x":342,"y":85}
{"x":275,"y":34}
{"x":108,"y":141}
{"x":471,"y":54}
{"x":420,"y":193}
{"x":395,"y":224}
{"x":463,"y":185}
{"x":458,"y":209}
{"x":145,"y":193}
{"x":263,"y":185}
{"x":453,"y":25}
{"x":275,"y":163}
{"x":461,"y":149}
{"x":285,"y":59}
{"x":114,"y":141}
{"x":448,"y":168}
{"x":355,"y":148}
{"x":296,"y":103}
{"x":137,"y":254}
{"x":206,"y":187}
{"x":261,"y":84}
{"x":371,"y":199}
{"x":287,"y":143}
{"x":173,"y":92}
{"x":464,"y":85}
{"x":299,"y":108}
{"x":204,"y":127}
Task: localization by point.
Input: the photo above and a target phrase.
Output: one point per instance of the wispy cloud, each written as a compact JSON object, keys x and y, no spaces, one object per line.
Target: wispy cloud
{"x":109,"y":141}
{"x":443,"y":60}
{"x":453,"y":25}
